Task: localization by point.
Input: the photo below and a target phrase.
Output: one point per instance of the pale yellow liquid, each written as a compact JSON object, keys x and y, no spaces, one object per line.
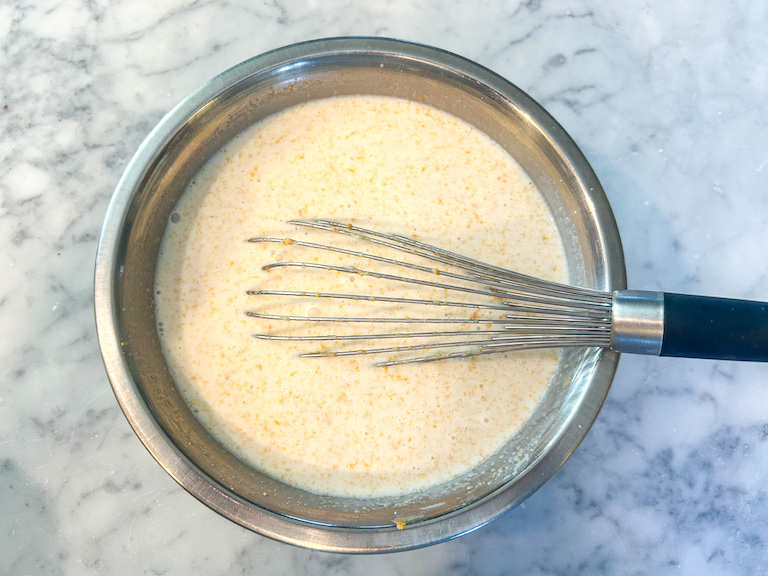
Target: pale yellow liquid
{"x":337,"y":425}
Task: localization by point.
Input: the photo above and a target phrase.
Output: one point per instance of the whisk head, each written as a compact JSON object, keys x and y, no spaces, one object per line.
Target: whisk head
{"x":472,"y":308}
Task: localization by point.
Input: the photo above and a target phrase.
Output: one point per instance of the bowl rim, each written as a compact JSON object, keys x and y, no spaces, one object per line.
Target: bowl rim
{"x":228,"y":504}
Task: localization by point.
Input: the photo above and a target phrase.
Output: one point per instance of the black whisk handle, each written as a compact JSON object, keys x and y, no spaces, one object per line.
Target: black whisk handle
{"x":715,"y":328}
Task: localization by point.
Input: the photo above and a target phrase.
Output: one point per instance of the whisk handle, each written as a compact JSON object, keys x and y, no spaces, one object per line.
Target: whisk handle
{"x":715,"y":328}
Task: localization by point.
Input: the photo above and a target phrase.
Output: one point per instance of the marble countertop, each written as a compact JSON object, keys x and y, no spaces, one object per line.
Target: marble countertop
{"x":668,"y":100}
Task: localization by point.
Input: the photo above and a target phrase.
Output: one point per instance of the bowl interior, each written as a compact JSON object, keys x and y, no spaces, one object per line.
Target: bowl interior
{"x":247,"y":94}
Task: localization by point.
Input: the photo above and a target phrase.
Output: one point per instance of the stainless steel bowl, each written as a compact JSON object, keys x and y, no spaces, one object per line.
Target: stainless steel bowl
{"x":170,"y":157}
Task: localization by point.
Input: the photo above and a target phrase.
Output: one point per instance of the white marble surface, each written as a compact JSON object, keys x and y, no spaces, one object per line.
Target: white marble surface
{"x":668,"y":99}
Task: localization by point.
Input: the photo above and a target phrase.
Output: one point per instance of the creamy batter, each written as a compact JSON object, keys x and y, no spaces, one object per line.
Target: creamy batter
{"x":337,"y":425}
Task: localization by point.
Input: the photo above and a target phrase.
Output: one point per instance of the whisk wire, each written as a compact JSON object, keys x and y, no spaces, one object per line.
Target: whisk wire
{"x":539,"y":313}
{"x":413,"y":246}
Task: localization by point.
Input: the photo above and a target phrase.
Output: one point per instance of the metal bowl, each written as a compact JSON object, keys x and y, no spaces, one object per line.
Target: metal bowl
{"x":171,"y":156}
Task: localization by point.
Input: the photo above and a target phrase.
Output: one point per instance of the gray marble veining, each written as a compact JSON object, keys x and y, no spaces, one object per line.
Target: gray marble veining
{"x":668,"y":100}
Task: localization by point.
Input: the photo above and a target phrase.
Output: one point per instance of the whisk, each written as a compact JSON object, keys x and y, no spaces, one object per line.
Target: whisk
{"x":530,"y":313}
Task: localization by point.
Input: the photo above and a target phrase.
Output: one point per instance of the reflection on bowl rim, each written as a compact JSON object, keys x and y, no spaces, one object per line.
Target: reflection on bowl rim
{"x":278,"y":526}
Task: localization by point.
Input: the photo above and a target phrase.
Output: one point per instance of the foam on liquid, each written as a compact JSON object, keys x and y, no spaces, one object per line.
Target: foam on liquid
{"x":337,"y":425}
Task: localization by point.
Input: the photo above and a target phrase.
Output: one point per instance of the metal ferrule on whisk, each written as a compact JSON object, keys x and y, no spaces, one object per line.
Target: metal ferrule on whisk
{"x":637,"y":323}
